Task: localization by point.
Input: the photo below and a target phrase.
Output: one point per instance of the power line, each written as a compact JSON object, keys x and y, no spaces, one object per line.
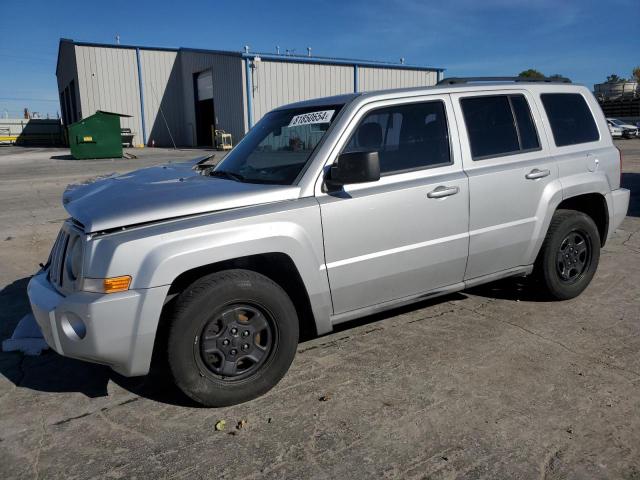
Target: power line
{"x":28,"y":57}
{"x":28,"y":99}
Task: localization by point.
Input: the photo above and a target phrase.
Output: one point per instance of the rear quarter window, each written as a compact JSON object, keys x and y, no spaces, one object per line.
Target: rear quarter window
{"x":570,"y":118}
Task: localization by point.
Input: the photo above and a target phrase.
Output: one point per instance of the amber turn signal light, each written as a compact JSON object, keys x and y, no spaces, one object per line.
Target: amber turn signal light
{"x":116,"y":284}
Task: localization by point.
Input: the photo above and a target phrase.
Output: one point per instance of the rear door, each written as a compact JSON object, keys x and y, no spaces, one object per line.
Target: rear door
{"x":406,"y":233}
{"x":506,"y":156}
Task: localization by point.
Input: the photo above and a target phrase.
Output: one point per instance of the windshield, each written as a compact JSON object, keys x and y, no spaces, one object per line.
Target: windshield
{"x":617,"y":122}
{"x":278,"y":148}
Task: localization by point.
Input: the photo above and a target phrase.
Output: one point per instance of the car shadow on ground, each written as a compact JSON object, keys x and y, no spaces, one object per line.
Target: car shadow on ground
{"x":516,"y":289}
{"x":632,"y":182}
{"x":50,"y":372}
{"x":63,"y":157}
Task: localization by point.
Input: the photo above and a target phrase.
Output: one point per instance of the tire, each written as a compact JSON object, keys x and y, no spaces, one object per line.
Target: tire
{"x":562,"y":268}
{"x":202,"y":340}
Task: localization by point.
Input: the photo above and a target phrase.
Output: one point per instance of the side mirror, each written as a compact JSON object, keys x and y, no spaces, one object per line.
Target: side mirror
{"x":355,"y":167}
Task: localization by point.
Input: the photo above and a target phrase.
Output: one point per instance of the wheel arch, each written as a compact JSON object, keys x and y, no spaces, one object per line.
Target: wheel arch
{"x":276,"y":266}
{"x":591,"y":202}
{"x":595,"y":206}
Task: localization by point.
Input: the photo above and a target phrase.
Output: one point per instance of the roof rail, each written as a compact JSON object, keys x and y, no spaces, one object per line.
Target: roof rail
{"x":457,"y":80}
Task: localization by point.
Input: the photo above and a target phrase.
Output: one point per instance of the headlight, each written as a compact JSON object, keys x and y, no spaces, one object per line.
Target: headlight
{"x":74,"y":259}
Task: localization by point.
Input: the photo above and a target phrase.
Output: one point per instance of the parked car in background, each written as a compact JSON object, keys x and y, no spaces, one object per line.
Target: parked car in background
{"x":330,"y":210}
{"x":616,"y":132}
{"x":628,"y":130}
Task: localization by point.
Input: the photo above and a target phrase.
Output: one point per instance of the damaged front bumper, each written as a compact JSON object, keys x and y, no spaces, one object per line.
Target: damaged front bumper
{"x":115,"y":329}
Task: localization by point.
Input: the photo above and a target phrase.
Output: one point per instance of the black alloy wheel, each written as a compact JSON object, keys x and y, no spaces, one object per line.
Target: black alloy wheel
{"x":569,"y":254}
{"x":236,"y":342}
{"x":573,"y":256}
{"x":232,"y":336}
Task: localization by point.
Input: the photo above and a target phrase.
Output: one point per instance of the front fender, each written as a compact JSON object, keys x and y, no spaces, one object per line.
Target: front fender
{"x":157,"y":254}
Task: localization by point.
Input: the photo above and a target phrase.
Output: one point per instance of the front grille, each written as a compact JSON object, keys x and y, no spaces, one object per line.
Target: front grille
{"x":58,"y":275}
{"x":56,"y":266}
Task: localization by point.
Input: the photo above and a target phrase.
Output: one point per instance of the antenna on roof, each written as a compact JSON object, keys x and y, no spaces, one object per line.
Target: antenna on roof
{"x":117,"y":39}
{"x":277,"y":49}
{"x":308,"y":51}
{"x":246,"y":49}
{"x":401,"y":60}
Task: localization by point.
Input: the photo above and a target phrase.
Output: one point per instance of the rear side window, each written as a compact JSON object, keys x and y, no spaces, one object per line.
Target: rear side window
{"x":570,"y":118}
{"x":524,"y":122}
{"x":406,"y":137}
{"x":499,"y":125}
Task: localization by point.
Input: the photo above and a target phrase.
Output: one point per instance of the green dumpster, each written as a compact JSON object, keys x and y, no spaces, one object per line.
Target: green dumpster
{"x":97,"y":136}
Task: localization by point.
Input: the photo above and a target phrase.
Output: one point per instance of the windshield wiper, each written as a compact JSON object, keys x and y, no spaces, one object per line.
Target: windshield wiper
{"x":226,"y":174}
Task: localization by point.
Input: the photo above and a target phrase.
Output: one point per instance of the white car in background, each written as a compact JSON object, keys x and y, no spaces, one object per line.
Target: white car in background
{"x":628,"y":130}
{"x":616,"y":132}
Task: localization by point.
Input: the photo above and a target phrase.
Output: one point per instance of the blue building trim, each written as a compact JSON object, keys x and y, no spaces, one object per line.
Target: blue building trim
{"x":268,"y":56}
{"x":144,"y":128}
{"x":249,"y":83}
{"x":355,"y":79}
{"x":338,"y":61}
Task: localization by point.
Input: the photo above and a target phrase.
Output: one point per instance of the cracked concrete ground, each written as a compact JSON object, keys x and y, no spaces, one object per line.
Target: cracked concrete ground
{"x":487,"y":383}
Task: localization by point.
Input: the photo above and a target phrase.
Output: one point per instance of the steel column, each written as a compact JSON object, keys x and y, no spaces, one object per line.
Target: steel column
{"x":355,"y":78}
{"x":144,"y":128}
{"x":249,"y":83}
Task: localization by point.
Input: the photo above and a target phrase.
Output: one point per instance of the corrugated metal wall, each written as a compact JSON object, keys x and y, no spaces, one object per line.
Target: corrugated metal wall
{"x":278,"y":83}
{"x":228,"y":79}
{"x":108,"y":80}
{"x":371,"y":78}
{"x":162,"y":89}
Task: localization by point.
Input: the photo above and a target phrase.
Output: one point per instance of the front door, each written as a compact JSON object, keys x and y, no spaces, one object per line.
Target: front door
{"x":405,"y":234}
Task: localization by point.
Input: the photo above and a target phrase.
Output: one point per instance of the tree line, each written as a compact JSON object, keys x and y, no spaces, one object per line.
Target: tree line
{"x":613,"y":78}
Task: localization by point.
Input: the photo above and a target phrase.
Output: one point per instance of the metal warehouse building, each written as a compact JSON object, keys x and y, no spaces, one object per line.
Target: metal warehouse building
{"x":177,"y":95}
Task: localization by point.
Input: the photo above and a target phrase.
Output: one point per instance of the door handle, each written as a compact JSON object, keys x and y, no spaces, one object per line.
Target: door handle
{"x":443,"y":191}
{"x":537,"y":173}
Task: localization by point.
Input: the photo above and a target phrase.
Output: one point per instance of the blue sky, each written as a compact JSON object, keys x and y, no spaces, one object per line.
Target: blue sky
{"x":585,"y":40}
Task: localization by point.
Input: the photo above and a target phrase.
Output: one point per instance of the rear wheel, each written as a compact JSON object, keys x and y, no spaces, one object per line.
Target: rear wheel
{"x":569,"y":255}
{"x":233,"y":336}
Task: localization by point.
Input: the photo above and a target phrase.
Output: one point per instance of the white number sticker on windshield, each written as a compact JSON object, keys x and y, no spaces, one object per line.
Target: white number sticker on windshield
{"x":311,"y":118}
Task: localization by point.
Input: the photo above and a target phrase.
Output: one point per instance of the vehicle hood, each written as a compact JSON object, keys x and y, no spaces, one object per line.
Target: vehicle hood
{"x":162,"y":192}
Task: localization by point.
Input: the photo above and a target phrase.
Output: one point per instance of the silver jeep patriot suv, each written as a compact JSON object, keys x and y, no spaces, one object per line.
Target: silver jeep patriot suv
{"x":326,"y":211}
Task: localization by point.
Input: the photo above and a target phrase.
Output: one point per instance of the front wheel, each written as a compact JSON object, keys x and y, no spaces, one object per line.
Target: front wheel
{"x":569,"y":255}
{"x":233,"y":336}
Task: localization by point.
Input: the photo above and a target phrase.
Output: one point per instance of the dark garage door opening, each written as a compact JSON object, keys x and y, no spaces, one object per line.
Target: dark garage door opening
{"x":205,"y":113}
